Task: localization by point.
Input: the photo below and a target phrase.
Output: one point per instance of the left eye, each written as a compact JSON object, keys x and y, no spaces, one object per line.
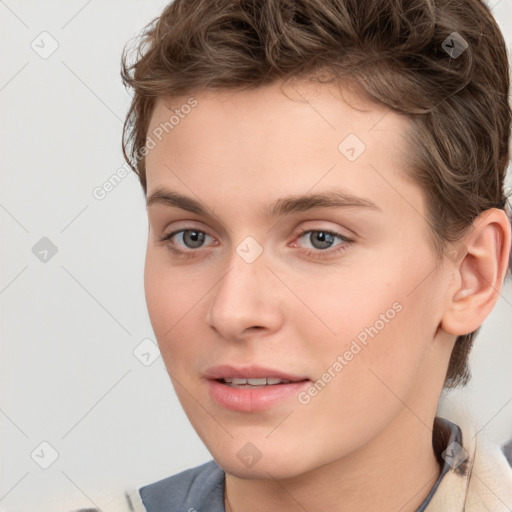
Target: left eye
{"x":320,"y":239}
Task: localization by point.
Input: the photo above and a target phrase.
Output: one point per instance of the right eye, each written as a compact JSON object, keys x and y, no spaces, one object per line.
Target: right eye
{"x":191,"y":239}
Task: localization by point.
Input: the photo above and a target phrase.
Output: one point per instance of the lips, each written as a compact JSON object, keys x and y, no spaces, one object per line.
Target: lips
{"x":252,"y":388}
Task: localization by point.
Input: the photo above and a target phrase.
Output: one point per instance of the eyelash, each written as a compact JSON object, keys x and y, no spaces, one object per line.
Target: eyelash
{"x":315,"y":253}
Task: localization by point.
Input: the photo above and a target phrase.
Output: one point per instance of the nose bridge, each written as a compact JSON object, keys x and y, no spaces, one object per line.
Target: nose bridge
{"x":245,"y":296}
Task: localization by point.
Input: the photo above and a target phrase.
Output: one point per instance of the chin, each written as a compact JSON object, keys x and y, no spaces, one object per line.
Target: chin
{"x":271,"y":462}
{"x":269,"y":470}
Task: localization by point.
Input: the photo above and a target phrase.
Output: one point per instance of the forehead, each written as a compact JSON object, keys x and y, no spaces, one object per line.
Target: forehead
{"x":287,"y":137}
{"x":274,"y":111}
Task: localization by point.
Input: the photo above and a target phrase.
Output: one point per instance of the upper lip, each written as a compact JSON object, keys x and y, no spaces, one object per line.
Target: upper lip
{"x":249,"y":372}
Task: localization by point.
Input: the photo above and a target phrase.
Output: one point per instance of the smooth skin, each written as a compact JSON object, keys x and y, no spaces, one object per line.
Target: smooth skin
{"x":364,"y":442}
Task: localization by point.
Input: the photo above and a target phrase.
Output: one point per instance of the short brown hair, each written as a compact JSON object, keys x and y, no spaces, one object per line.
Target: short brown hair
{"x":442,"y":63}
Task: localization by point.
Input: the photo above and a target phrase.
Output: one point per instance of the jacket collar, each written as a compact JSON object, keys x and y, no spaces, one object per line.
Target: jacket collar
{"x":478,"y":477}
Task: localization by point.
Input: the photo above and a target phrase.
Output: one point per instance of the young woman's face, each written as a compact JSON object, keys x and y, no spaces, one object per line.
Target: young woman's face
{"x":286,"y":242}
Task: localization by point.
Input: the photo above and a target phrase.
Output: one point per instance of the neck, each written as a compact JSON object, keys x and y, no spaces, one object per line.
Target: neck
{"x":395,"y":471}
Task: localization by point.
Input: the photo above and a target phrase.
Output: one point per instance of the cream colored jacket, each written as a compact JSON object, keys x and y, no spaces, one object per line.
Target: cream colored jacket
{"x":482,"y":484}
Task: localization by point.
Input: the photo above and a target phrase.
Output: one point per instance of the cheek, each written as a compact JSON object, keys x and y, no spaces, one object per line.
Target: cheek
{"x":166,"y":298}
{"x":364,"y":375}
{"x":380,"y":324}
{"x":176,"y":302}
{"x":159,"y":297}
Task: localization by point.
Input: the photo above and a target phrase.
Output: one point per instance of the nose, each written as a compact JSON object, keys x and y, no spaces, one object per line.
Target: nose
{"x":244,"y":302}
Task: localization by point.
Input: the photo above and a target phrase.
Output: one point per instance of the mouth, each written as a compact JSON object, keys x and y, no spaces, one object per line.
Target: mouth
{"x":239,"y":382}
{"x":252,"y":388}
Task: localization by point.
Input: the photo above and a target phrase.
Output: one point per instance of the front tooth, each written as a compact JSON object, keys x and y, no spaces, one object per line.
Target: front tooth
{"x":257,"y":382}
{"x":236,"y":380}
{"x":229,"y":380}
{"x":273,"y":380}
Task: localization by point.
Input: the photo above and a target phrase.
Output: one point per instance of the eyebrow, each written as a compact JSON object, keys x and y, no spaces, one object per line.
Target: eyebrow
{"x":335,"y":198}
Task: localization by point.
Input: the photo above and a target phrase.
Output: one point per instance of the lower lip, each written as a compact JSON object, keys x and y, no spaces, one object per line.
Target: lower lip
{"x":252,"y":400}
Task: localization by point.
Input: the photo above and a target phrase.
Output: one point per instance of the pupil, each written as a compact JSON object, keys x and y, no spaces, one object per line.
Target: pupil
{"x":324,"y":238}
{"x":195,"y":237}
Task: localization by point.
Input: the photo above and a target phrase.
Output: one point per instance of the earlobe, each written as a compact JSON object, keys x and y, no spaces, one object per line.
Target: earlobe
{"x":480,"y":267}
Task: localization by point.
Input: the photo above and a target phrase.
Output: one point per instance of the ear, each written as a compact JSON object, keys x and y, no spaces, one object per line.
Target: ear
{"x":480,"y":263}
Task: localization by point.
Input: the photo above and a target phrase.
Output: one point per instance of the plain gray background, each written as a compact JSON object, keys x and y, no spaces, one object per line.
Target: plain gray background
{"x":73,"y":374}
